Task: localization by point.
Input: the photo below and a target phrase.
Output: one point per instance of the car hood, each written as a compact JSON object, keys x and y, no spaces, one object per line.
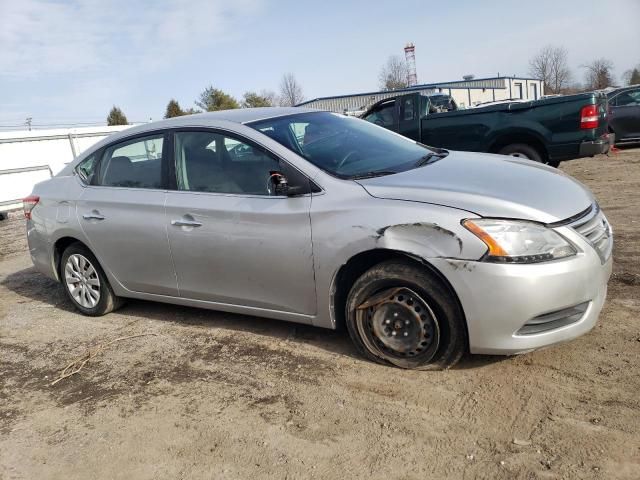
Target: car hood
{"x":488,"y":185}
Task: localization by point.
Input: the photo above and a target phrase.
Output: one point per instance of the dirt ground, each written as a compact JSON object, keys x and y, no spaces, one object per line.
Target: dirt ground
{"x":214,"y":395}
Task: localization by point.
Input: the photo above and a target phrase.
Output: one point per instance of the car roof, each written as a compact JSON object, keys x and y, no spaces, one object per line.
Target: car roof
{"x":238,"y":115}
{"x":622,"y":89}
{"x":215,"y":119}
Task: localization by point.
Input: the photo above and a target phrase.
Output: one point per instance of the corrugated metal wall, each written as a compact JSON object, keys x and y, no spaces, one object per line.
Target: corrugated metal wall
{"x":355,"y":102}
{"x":465,"y":92}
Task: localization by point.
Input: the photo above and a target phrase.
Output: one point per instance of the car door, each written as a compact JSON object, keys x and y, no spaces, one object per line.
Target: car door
{"x":624,"y":116}
{"x":234,"y":240}
{"x":122,"y":214}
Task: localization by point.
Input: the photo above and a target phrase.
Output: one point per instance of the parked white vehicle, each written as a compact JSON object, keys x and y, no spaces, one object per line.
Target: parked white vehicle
{"x":29,"y":157}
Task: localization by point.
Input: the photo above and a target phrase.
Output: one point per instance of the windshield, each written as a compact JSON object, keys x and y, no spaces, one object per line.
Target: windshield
{"x":346,"y":147}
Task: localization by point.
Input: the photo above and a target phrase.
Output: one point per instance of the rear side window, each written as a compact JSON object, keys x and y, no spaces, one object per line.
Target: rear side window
{"x":134,"y":164}
{"x":86,"y":169}
{"x":407,"y":109}
{"x":624,"y":99}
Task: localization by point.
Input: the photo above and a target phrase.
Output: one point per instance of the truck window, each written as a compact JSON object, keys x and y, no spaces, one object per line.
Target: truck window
{"x":383,"y":115}
{"x":407,"y":109}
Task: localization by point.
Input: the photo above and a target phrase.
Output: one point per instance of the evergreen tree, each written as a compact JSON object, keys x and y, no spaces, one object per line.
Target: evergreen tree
{"x":116,"y":117}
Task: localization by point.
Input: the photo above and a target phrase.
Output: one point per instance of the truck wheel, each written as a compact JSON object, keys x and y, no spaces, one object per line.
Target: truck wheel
{"x":521,"y":150}
{"x":402,"y":315}
{"x":85,"y":283}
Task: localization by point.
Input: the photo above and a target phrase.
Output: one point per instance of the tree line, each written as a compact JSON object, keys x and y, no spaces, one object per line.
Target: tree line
{"x":550,"y":64}
{"x":212,"y":99}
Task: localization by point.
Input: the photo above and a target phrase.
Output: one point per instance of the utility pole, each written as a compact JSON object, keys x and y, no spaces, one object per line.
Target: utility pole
{"x":28,"y":122}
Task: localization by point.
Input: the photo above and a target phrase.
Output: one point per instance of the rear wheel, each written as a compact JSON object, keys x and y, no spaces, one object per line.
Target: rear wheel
{"x":521,"y":150}
{"x":85,"y":283}
{"x":400,"y":314}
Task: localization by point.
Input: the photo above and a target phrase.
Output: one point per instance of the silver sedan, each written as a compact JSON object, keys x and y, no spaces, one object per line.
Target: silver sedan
{"x":328,"y":220}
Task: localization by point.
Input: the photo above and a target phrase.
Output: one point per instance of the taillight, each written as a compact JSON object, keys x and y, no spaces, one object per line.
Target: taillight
{"x":589,"y":117}
{"x":28,"y":204}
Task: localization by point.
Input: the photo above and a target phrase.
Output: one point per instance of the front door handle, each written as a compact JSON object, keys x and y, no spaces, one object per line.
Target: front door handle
{"x":185,"y":223}
{"x":93,"y":216}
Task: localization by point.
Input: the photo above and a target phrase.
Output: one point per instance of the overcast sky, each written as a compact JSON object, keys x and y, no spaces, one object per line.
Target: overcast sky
{"x":70,"y":61}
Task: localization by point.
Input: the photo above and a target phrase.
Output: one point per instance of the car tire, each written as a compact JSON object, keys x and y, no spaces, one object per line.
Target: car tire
{"x":522,"y":150}
{"x":92,"y":295}
{"x":401,"y":314}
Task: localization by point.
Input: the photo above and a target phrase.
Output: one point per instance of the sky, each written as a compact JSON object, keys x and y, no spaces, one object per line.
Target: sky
{"x":70,"y":61}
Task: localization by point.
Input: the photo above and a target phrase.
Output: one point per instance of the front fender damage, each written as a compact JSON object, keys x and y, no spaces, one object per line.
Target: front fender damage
{"x":427,"y":240}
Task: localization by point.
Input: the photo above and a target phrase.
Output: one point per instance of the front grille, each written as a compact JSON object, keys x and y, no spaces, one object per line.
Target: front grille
{"x":597,"y":231}
{"x":553,"y":320}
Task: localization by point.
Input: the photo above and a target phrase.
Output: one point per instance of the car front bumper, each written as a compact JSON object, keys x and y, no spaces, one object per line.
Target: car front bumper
{"x":499,"y":299}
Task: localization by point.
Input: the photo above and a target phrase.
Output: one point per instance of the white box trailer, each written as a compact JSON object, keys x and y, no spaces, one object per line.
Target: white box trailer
{"x":29,"y":157}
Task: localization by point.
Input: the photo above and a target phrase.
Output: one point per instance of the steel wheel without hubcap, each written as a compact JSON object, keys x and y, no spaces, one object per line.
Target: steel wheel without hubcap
{"x":82,"y":281}
{"x":399,"y":323}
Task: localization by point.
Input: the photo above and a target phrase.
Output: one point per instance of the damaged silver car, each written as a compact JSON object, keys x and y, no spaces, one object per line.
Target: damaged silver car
{"x":328,"y":220}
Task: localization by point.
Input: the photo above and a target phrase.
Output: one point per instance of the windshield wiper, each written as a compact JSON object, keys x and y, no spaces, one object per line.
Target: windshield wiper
{"x":430,"y":158}
{"x":378,"y":173}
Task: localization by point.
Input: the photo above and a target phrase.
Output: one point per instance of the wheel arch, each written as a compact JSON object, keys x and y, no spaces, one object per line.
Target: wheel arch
{"x":528,"y":138}
{"x":359,"y":263}
{"x":60,"y":246}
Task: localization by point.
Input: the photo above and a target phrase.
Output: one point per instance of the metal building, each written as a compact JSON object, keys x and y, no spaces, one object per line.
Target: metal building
{"x":466,"y":93}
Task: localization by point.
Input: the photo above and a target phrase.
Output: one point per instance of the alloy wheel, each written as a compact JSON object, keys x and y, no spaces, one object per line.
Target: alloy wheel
{"x":82,"y":281}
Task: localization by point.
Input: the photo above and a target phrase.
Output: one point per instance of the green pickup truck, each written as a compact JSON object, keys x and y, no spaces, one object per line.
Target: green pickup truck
{"x":549,"y":130}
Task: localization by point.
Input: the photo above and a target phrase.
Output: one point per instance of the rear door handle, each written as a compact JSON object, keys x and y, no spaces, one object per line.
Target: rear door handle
{"x":185,"y":223}
{"x":93,"y":216}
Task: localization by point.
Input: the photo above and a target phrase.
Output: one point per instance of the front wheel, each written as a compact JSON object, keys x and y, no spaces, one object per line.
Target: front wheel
{"x":85,"y":283}
{"x":400,"y":314}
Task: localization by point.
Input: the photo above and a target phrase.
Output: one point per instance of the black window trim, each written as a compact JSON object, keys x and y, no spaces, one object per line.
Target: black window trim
{"x":315,"y":189}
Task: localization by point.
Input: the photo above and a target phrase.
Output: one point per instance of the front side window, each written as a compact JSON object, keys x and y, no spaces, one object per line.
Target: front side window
{"x":213,"y":162}
{"x":344,"y":146}
{"x":134,"y":164}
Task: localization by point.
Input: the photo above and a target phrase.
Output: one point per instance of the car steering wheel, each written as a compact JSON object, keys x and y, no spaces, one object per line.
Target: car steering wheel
{"x":348,"y":158}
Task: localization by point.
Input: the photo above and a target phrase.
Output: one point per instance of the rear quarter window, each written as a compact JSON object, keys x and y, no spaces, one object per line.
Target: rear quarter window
{"x":86,"y":169}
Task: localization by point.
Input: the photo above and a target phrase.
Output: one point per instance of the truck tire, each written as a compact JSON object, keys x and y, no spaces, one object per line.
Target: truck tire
{"x":400,"y":314}
{"x":522,"y":150}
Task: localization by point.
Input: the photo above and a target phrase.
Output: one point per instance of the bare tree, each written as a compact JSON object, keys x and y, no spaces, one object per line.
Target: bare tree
{"x":394,"y":73}
{"x":290,"y":91}
{"x":599,"y":74}
{"x":550,"y":65}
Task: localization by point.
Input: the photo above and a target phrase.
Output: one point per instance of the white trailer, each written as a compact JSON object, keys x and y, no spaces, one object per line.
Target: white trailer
{"x":29,"y":157}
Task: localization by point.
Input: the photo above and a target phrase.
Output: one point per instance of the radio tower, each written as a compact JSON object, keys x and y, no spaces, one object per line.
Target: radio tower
{"x":410,"y":56}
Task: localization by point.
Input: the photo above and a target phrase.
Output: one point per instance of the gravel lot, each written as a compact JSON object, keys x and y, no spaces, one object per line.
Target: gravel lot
{"x":214,"y":395}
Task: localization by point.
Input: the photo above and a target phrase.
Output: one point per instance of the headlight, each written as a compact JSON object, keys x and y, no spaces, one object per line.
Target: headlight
{"x":513,"y":241}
